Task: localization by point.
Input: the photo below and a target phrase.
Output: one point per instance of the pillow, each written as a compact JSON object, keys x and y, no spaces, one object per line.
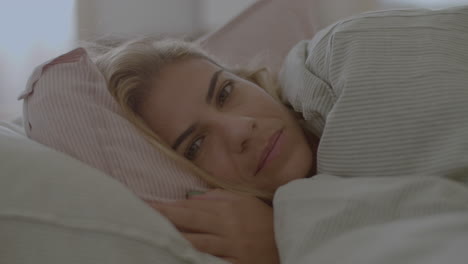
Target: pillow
{"x":67,"y":105}
{"x":54,"y":209}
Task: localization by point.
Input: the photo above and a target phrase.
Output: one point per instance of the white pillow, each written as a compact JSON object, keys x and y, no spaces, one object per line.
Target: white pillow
{"x":54,"y":209}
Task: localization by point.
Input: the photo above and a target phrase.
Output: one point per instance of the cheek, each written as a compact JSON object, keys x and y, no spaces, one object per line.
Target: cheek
{"x":218,"y":163}
{"x":302,"y":158}
{"x":268,"y":106}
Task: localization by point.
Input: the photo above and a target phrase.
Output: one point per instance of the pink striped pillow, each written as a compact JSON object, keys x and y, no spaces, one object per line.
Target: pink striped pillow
{"x":67,"y":105}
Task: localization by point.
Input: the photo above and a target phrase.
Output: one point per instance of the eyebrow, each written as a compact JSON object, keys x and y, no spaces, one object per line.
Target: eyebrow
{"x":208,"y":99}
{"x":184,"y":135}
{"x":211,"y":87}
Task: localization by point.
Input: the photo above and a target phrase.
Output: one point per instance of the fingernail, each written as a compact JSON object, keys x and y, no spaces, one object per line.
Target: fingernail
{"x":193,"y":193}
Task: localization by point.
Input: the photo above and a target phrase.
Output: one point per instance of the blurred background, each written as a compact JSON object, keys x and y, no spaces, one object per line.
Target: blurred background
{"x":34,"y":31}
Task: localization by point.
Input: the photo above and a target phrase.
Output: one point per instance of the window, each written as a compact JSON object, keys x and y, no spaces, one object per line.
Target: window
{"x":32,"y":32}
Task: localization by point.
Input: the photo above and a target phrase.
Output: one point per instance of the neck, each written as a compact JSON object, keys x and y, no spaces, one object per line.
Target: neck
{"x":313,"y":141}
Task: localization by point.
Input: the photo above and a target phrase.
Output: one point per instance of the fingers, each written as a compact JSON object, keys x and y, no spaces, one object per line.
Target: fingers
{"x":218,"y":194}
{"x":237,"y":228}
{"x":208,"y":243}
{"x":207,"y":206}
{"x":213,"y":207}
{"x":189,"y":219}
{"x":213,"y":245}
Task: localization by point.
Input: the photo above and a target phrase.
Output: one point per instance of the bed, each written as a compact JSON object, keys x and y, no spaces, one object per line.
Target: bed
{"x":50,"y":214}
{"x":56,"y":209}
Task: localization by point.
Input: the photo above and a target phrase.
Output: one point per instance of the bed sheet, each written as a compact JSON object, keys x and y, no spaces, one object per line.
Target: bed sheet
{"x":408,"y":219}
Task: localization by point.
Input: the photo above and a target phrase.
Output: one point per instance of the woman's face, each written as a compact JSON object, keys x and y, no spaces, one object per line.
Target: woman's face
{"x":226,"y":125}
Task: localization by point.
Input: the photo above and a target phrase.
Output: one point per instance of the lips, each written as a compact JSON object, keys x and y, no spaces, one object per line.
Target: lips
{"x":267,"y":150}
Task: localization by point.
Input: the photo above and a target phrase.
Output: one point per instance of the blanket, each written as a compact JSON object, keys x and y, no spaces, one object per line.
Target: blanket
{"x":407,"y":219}
{"x":387,"y":92}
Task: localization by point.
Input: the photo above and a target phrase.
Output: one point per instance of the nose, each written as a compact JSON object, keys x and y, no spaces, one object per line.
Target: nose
{"x":237,"y":131}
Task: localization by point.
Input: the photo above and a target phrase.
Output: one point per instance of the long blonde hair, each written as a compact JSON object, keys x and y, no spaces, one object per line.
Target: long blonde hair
{"x":128,"y":66}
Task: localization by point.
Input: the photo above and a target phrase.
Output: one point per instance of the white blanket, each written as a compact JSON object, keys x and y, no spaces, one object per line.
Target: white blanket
{"x":388,"y":93}
{"x":414,"y":219}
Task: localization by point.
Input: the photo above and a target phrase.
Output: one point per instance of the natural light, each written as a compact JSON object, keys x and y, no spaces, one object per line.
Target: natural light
{"x":36,"y":31}
{"x":33,"y":31}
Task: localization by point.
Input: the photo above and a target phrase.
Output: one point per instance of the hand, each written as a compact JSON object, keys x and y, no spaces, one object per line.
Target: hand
{"x":237,"y":228}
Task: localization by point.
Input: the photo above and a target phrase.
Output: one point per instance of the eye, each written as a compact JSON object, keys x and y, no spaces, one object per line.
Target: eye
{"x":225,"y":93}
{"x":192,"y":150}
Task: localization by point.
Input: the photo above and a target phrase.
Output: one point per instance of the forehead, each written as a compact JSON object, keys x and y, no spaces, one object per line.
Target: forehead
{"x":177,"y":97}
{"x":189,"y":71}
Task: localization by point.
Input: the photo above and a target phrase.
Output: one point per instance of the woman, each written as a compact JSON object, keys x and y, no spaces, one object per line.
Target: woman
{"x":228,"y":122}
{"x":235,"y":129}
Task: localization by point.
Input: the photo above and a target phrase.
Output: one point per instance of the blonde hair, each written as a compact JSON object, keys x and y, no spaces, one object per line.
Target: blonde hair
{"x":129,"y":66}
